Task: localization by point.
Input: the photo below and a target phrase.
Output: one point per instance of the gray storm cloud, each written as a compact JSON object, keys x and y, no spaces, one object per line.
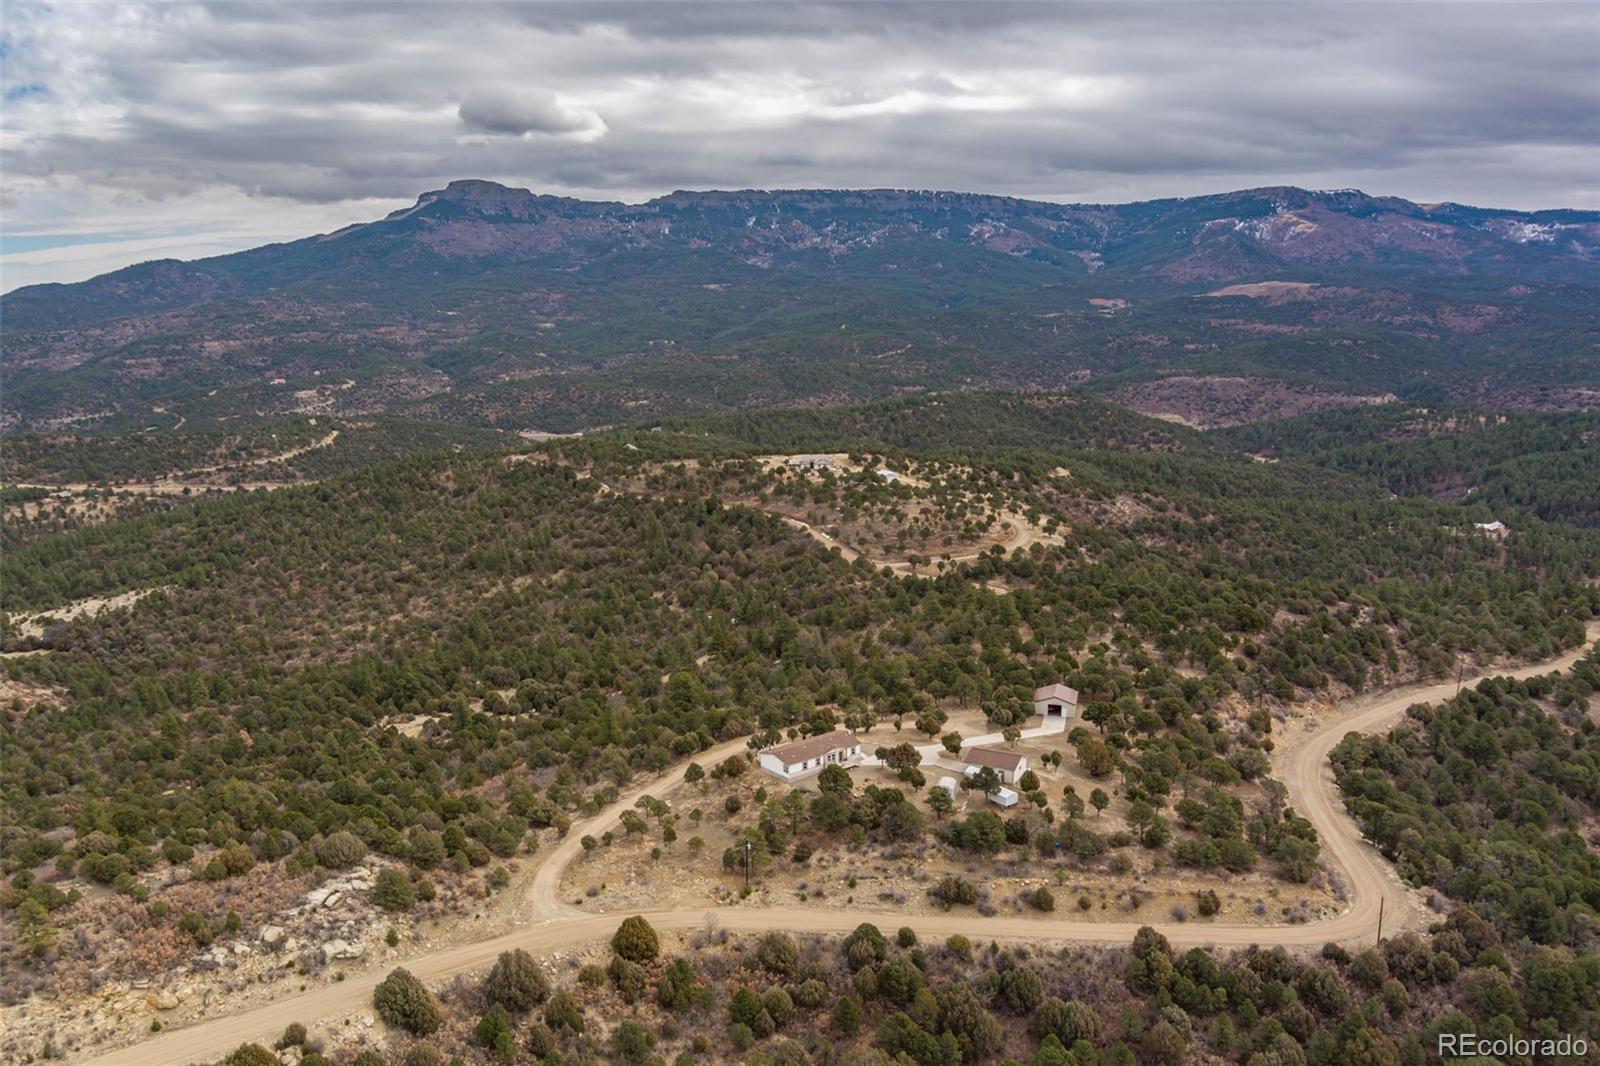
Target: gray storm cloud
{"x":240,"y":119}
{"x":516,"y":111}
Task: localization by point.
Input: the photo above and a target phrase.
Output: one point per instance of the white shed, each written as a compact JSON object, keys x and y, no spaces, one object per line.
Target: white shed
{"x":1004,"y":797}
{"x":949,"y":785}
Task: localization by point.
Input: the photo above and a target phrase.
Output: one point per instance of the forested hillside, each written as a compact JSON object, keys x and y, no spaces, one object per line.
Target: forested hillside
{"x":439,"y":662}
{"x":1491,"y":800}
{"x":1499,"y":464}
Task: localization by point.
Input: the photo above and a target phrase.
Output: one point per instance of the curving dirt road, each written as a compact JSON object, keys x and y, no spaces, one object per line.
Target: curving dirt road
{"x":554,"y":924}
{"x":175,"y":485}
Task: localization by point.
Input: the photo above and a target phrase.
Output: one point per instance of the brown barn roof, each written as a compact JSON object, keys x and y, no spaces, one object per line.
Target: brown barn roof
{"x":1000,"y":760}
{"x":798,"y":751}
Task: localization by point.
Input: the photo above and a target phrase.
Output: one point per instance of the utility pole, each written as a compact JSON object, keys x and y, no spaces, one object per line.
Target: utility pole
{"x":1379,"y":942}
{"x":747,"y":864}
{"x":1460,"y":666}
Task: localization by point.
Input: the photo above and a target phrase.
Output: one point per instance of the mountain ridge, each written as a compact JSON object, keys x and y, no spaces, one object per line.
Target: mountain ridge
{"x":484,"y":302}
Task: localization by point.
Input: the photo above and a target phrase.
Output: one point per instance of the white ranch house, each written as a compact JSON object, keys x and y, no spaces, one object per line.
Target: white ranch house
{"x":1055,"y":701}
{"x":802,"y":758}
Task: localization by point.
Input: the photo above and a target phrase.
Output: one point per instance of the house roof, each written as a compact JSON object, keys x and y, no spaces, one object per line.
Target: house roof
{"x":1055,"y":692}
{"x":1000,"y":760}
{"x":798,"y":751}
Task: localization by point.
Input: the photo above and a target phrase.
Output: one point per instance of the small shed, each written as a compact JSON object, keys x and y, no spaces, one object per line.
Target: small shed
{"x":1004,"y":797}
{"x":948,"y":784}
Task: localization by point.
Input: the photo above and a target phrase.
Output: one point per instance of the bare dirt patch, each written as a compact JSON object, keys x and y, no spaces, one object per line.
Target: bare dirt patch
{"x":34,"y":625}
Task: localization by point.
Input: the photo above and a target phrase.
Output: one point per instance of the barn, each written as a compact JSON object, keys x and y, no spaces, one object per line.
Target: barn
{"x":1055,"y":701}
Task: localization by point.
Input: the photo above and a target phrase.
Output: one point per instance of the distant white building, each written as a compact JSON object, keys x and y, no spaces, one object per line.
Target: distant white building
{"x":808,"y":462}
{"x":1010,"y":765}
{"x":948,"y":784}
{"x":888,"y":475}
{"x":802,"y":758}
{"x":1496,"y":529}
{"x":1004,"y":797}
{"x":1055,"y":701}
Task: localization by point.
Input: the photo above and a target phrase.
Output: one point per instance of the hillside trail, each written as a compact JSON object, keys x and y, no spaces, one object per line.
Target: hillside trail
{"x":174,"y":485}
{"x":552,"y":924}
{"x":1022,"y":535}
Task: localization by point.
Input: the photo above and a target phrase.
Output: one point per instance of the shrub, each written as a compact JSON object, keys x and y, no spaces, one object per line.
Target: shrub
{"x":846,"y":1019}
{"x":744,"y":1006}
{"x":197,"y":926}
{"x":865,"y":945}
{"x":676,"y":990}
{"x":1019,"y":990}
{"x":392,"y":891}
{"x":237,"y":859}
{"x":635,"y":940}
{"x":563,"y":1012}
{"x":1369,"y":970}
{"x":628,"y":977}
{"x":516,"y":982}
{"x":492,"y":1026}
{"x":251,"y":1055}
{"x":402,"y":1001}
{"x":811,"y":994}
{"x":632,"y":1042}
{"x":778,"y":953}
{"x":1208,"y":902}
{"x":426,"y":849}
{"x":955,"y":891}
{"x":776,"y":1002}
{"x":898,"y":980}
{"x":340,"y":850}
{"x":1042,"y":899}
{"x":1324,"y":990}
{"x":293,"y":1036}
{"x":541,"y":1041}
{"x":1069,"y":1021}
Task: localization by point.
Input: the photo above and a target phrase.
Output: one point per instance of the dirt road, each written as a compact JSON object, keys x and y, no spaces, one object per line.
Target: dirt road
{"x":175,"y":485}
{"x":553,"y":924}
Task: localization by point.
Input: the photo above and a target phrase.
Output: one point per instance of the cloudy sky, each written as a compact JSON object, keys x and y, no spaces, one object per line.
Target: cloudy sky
{"x":138,"y":131}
